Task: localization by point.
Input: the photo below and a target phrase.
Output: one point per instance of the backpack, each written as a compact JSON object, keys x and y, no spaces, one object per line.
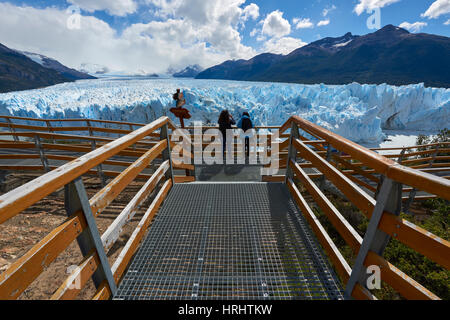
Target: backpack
{"x":247,"y":124}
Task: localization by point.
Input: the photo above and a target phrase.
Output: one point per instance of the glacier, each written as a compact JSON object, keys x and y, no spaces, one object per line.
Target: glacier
{"x":359,"y":112}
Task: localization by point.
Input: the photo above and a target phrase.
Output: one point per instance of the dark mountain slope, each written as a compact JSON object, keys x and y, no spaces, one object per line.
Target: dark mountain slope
{"x":18,"y":72}
{"x":49,"y":63}
{"x":241,"y":69}
{"x":188,"y":72}
{"x":391,"y":55}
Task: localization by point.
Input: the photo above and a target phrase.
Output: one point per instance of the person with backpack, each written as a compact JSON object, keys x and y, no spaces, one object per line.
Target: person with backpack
{"x":179,"y":98}
{"x":226,"y":122}
{"x":246,"y":124}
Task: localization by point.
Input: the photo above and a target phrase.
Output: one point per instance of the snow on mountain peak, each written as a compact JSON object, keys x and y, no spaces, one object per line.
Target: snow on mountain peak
{"x":343,"y":44}
{"x":93,"y":69}
{"x":38,"y":58}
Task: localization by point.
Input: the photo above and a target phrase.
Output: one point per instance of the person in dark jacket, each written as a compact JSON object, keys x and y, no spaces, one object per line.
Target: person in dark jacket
{"x":246,"y":124}
{"x":226,"y":122}
{"x":179,"y":98}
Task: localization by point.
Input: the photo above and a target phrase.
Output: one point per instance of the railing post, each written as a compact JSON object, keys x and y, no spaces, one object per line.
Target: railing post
{"x":91,"y":133}
{"x":380,"y":184}
{"x":413,"y":193}
{"x":100,"y":166}
{"x":44,"y":160}
{"x":167,"y":153}
{"x":402,"y":156}
{"x":338,"y":163}
{"x":3,"y":175}
{"x":132,"y":129}
{"x":375,"y":240}
{"x":324,"y":179}
{"x":76,"y":200}
{"x":50,"y":129}
{"x":12,"y":130}
{"x":292,"y":153}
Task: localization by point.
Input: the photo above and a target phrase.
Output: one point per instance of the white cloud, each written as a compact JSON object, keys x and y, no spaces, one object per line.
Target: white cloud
{"x":413,"y":27}
{"x":303,"y":23}
{"x":114,"y":7}
{"x":372,"y":4}
{"x":261,"y":38}
{"x":323,"y":23}
{"x":438,"y":8}
{"x":275,"y":25}
{"x":152,"y":47}
{"x":327,"y":10}
{"x":203,"y":12}
{"x":447,"y":23}
{"x":214,"y":22}
{"x":251,"y":11}
{"x":283,"y":45}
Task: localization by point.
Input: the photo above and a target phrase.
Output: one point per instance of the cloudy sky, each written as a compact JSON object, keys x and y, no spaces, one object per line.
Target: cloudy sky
{"x":151,"y":36}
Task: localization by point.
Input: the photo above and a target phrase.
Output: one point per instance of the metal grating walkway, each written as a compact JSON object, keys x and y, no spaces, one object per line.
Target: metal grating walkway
{"x":229,"y":242}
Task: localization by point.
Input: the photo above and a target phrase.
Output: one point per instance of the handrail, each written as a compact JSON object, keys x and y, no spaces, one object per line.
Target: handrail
{"x":390,"y":225}
{"x":24,"y":196}
{"x":73,"y":120}
{"x":82,"y":212}
{"x":379,"y":163}
{"x":55,"y":136}
{"x":412,"y":147}
{"x":342,"y":173}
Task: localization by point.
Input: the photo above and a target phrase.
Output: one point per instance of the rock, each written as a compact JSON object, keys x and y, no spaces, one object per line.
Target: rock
{"x":4,"y":264}
{"x":9,"y":251}
{"x":37,"y":230}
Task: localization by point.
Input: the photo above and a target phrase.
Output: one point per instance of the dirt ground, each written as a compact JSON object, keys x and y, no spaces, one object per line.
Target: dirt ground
{"x":21,"y":233}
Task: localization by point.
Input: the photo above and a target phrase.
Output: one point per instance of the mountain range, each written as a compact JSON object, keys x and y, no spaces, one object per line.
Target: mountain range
{"x":390,"y":55}
{"x":26,"y":70}
{"x":188,"y":72}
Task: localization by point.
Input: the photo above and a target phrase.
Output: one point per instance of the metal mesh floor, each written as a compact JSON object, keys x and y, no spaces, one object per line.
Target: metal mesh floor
{"x":229,"y":242}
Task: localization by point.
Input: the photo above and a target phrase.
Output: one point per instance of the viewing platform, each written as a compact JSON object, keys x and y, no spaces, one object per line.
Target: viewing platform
{"x":230,"y":241}
{"x":219,"y":232}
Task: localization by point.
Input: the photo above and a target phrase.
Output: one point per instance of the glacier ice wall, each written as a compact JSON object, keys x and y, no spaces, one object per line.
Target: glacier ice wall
{"x":358,"y":112}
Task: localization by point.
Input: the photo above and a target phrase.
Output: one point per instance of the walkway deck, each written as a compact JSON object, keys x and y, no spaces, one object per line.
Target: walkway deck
{"x":228,"y":242}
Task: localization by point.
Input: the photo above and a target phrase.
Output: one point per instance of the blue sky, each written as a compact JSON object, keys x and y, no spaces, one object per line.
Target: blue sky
{"x":154,"y":35}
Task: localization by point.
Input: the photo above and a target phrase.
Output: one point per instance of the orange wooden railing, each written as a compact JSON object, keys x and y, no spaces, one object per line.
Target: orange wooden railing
{"x":52,"y":144}
{"x":15,"y":280}
{"x":359,"y":173}
{"x":389,"y":175}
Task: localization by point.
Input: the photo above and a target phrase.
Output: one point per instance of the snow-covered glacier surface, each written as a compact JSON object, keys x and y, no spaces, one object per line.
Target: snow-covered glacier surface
{"x":358,"y":112}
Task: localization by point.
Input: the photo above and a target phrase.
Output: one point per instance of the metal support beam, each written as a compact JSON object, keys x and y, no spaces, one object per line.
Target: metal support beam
{"x":40,"y":149}
{"x":410,"y":201}
{"x":167,"y":153}
{"x":50,"y":129}
{"x":132,"y":129}
{"x":292,"y":154}
{"x":375,"y":240}
{"x":413,"y":193}
{"x":338,"y":164}
{"x":380,"y":184}
{"x":324,"y":178}
{"x":402,"y":156}
{"x":100,"y":166}
{"x":3,"y":174}
{"x":12,"y":130}
{"x":91,"y":133}
{"x":76,"y":200}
